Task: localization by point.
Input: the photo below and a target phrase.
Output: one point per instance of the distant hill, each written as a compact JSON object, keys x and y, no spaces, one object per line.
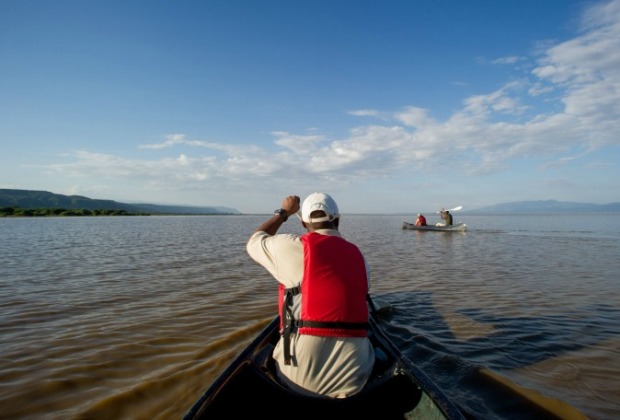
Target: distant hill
{"x":27,"y":199}
{"x":549,"y":206}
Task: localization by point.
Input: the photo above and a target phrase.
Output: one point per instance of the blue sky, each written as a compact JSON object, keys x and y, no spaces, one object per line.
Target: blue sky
{"x":389,"y":106}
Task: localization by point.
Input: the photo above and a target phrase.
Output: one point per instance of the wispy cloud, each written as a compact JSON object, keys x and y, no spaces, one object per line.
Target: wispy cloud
{"x":507,"y":60}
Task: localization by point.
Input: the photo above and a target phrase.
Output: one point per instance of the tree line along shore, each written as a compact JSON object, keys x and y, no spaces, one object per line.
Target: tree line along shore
{"x":54,"y":211}
{"x":13,"y":211}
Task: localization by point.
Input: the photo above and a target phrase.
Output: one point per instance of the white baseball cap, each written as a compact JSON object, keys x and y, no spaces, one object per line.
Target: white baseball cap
{"x":319,"y":201}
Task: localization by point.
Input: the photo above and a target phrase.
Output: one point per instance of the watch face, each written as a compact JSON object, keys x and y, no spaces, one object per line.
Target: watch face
{"x":281,"y":213}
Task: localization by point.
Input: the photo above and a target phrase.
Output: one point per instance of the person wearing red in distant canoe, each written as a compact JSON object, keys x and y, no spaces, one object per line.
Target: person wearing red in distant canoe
{"x":421,"y":220}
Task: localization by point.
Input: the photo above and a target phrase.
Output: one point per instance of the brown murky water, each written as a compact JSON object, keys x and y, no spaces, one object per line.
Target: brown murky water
{"x":133,"y":317}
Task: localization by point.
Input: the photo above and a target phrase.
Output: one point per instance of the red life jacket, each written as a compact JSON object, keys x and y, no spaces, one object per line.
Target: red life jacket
{"x":333,"y":291}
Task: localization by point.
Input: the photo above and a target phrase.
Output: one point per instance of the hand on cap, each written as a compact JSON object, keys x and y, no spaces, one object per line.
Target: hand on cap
{"x":291,"y":204}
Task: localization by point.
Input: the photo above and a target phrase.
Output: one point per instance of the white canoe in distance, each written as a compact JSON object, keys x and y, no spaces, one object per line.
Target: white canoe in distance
{"x":458,"y":227}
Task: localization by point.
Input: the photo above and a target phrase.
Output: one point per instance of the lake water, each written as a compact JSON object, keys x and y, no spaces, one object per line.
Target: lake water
{"x":133,"y":317}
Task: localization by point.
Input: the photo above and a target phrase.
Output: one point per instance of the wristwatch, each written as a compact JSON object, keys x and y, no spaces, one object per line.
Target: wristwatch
{"x":282,"y":213}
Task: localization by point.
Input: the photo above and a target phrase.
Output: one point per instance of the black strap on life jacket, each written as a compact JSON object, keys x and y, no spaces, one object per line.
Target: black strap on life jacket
{"x":291,"y":324}
{"x":288,"y":321}
{"x":333,"y":324}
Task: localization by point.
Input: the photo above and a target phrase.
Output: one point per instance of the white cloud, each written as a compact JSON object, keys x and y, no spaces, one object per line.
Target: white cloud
{"x":507,"y":60}
{"x":171,"y":140}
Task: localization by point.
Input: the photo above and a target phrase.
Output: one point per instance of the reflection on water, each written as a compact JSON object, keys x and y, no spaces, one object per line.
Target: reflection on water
{"x":473,"y":343}
{"x":132,"y":317}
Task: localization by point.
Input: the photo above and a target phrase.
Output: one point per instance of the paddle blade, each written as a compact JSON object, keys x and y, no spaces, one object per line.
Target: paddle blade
{"x":454,"y":209}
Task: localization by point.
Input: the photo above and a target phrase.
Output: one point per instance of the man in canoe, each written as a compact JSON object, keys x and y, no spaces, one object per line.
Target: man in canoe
{"x":421,"y":220}
{"x":445,"y":215}
{"x":324,"y":347}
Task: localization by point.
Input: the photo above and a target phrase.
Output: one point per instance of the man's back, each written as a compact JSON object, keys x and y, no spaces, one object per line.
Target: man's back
{"x":332,"y":366}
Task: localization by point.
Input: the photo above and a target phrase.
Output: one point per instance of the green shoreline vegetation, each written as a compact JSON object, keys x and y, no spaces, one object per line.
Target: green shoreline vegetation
{"x":54,"y":211}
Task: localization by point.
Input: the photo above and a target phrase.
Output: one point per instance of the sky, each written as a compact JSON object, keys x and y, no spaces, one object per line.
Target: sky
{"x":389,"y":106}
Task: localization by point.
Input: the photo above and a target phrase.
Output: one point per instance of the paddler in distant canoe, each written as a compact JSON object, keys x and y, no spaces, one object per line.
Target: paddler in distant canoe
{"x":421,"y":220}
{"x":445,"y":215}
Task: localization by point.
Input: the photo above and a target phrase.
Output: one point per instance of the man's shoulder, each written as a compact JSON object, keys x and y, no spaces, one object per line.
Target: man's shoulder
{"x":261,"y":233}
{"x":277,"y":240}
